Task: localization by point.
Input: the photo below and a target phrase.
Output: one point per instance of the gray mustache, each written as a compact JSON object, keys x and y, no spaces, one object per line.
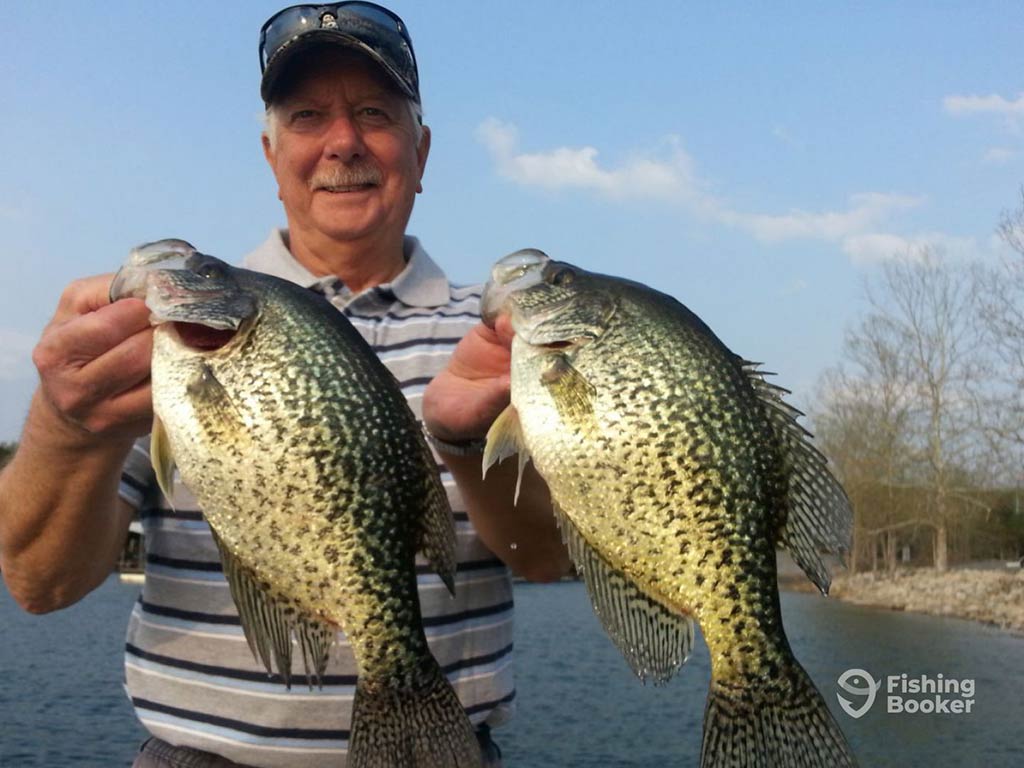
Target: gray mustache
{"x":342,"y":176}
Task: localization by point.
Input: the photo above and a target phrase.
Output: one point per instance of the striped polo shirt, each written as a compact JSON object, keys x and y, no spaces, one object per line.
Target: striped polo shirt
{"x":190,"y":674}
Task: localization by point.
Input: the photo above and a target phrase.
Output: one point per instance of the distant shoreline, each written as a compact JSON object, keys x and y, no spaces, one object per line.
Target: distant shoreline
{"x":990,"y":597}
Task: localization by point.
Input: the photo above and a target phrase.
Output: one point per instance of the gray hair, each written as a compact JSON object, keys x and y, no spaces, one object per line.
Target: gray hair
{"x":271,"y":117}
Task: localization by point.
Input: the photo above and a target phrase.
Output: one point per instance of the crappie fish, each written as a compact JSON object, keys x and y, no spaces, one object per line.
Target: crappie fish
{"x":314,"y":475}
{"x":674,"y":470}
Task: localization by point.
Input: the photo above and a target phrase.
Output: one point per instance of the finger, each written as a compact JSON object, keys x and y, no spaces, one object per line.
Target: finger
{"x":83,"y":296}
{"x":503,"y":330}
{"x":121,"y":367}
{"x":87,"y":337}
{"x":129,"y":413}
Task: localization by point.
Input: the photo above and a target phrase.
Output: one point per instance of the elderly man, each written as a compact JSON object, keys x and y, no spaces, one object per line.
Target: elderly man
{"x":345,"y":141}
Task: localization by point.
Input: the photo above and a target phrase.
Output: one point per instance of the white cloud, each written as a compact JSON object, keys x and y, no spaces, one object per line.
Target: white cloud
{"x":671,"y":177}
{"x":873,"y":247}
{"x":999,"y":155}
{"x":13,"y":212}
{"x":16,"y":355}
{"x":864,"y":211}
{"x":992,"y":104}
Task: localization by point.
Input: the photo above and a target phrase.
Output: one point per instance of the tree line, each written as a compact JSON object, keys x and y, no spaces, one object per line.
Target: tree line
{"x":923,"y":419}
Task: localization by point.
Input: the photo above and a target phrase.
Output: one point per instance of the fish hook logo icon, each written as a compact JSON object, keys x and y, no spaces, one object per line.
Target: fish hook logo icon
{"x":860,"y":683}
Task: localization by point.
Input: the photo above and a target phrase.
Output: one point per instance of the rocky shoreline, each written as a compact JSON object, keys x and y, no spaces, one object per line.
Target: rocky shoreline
{"x":989,"y":596}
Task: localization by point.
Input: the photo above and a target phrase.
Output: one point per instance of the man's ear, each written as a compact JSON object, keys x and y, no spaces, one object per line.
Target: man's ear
{"x":421,"y":155}
{"x":270,"y":155}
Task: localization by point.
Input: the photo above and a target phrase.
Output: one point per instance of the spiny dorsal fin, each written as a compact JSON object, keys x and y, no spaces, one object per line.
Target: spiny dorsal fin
{"x":818,"y":516}
{"x":505,"y":438}
{"x":269,"y":627}
{"x":655,"y":641}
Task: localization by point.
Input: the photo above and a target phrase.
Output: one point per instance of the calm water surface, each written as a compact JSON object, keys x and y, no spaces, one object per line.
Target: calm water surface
{"x":62,"y":704}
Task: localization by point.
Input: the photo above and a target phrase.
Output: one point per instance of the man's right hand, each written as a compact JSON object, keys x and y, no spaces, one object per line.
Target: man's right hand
{"x":94,"y":362}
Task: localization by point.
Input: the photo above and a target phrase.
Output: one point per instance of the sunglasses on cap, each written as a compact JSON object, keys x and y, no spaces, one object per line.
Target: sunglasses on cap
{"x":365,"y":26}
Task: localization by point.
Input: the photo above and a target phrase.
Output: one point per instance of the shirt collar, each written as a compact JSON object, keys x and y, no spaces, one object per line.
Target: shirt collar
{"x":421,"y":284}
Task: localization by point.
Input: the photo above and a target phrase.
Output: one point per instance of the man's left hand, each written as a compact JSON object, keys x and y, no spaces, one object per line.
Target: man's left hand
{"x":464,"y":399}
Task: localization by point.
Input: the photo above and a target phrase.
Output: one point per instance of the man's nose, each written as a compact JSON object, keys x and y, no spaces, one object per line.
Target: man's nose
{"x":344,"y":139}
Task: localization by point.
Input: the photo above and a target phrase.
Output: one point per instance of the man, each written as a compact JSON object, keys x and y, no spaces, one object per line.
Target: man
{"x":347,"y":148}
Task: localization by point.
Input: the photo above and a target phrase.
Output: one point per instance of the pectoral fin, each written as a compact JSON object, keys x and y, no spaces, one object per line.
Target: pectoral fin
{"x":572,"y":394}
{"x":162,"y":458}
{"x":209,"y":394}
{"x":505,"y":438}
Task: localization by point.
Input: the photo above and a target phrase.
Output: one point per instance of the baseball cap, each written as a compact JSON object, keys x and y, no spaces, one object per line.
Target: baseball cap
{"x":366,"y":27}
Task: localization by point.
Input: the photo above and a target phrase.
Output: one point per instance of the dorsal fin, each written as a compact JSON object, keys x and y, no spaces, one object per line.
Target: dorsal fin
{"x":817,"y":513}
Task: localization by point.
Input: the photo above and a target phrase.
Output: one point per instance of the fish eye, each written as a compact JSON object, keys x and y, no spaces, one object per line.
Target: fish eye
{"x":210,"y":270}
{"x":564,"y":276}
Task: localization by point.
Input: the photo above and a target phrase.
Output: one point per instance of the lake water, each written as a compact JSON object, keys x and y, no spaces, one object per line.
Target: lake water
{"x":61,"y":701}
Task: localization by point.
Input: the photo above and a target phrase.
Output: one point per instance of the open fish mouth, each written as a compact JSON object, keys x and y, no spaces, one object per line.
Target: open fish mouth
{"x":185,"y":290}
{"x":201,"y":337}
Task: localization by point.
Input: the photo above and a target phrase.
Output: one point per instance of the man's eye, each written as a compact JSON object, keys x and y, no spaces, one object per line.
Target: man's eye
{"x":303,"y":114}
{"x":374,"y":112}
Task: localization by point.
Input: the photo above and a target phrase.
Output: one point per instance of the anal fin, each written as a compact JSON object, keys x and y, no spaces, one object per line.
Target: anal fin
{"x":655,"y":641}
{"x":269,"y":626}
{"x":437,"y":528}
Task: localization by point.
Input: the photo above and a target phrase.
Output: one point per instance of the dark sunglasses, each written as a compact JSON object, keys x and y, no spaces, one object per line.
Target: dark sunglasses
{"x":372,"y":26}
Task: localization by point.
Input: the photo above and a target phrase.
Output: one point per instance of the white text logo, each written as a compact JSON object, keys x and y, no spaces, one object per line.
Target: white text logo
{"x":907,"y":694}
{"x":860,"y":683}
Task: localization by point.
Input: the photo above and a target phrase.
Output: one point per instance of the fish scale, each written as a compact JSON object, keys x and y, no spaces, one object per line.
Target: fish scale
{"x":674,"y":470}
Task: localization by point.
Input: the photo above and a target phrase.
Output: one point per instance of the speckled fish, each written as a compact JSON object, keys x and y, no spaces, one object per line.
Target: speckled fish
{"x":318,"y":485}
{"x":675,"y":470}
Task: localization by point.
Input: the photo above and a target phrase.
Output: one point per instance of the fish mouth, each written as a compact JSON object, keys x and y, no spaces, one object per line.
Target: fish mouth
{"x":132,"y":279}
{"x":510,"y":274}
{"x":202,"y":338}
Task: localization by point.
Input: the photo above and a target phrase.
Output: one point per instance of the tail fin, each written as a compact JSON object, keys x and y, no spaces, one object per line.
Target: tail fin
{"x":782,"y":724}
{"x":420,"y":727}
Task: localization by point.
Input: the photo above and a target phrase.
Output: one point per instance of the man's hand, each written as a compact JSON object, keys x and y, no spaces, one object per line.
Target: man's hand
{"x":460,"y":404}
{"x":464,"y":399}
{"x":93,"y":360}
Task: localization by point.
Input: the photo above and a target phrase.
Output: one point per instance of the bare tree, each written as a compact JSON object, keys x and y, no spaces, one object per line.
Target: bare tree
{"x":927,"y":307}
{"x":861,"y":420}
{"x":899,"y":419}
{"x":1001,"y":312}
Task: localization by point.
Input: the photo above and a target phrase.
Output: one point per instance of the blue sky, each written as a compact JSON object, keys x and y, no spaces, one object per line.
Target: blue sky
{"x":757,"y":161}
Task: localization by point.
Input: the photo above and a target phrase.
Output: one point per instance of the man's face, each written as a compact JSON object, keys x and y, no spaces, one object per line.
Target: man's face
{"x":345,"y":153}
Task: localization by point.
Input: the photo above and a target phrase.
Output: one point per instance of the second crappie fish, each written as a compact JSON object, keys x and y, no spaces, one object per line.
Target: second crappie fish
{"x":675,"y":470}
{"x":318,"y":485}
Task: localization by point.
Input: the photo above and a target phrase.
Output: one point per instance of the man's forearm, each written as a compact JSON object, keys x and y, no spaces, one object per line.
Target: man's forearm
{"x":61,"y":523}
{"x":524,"y":535}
